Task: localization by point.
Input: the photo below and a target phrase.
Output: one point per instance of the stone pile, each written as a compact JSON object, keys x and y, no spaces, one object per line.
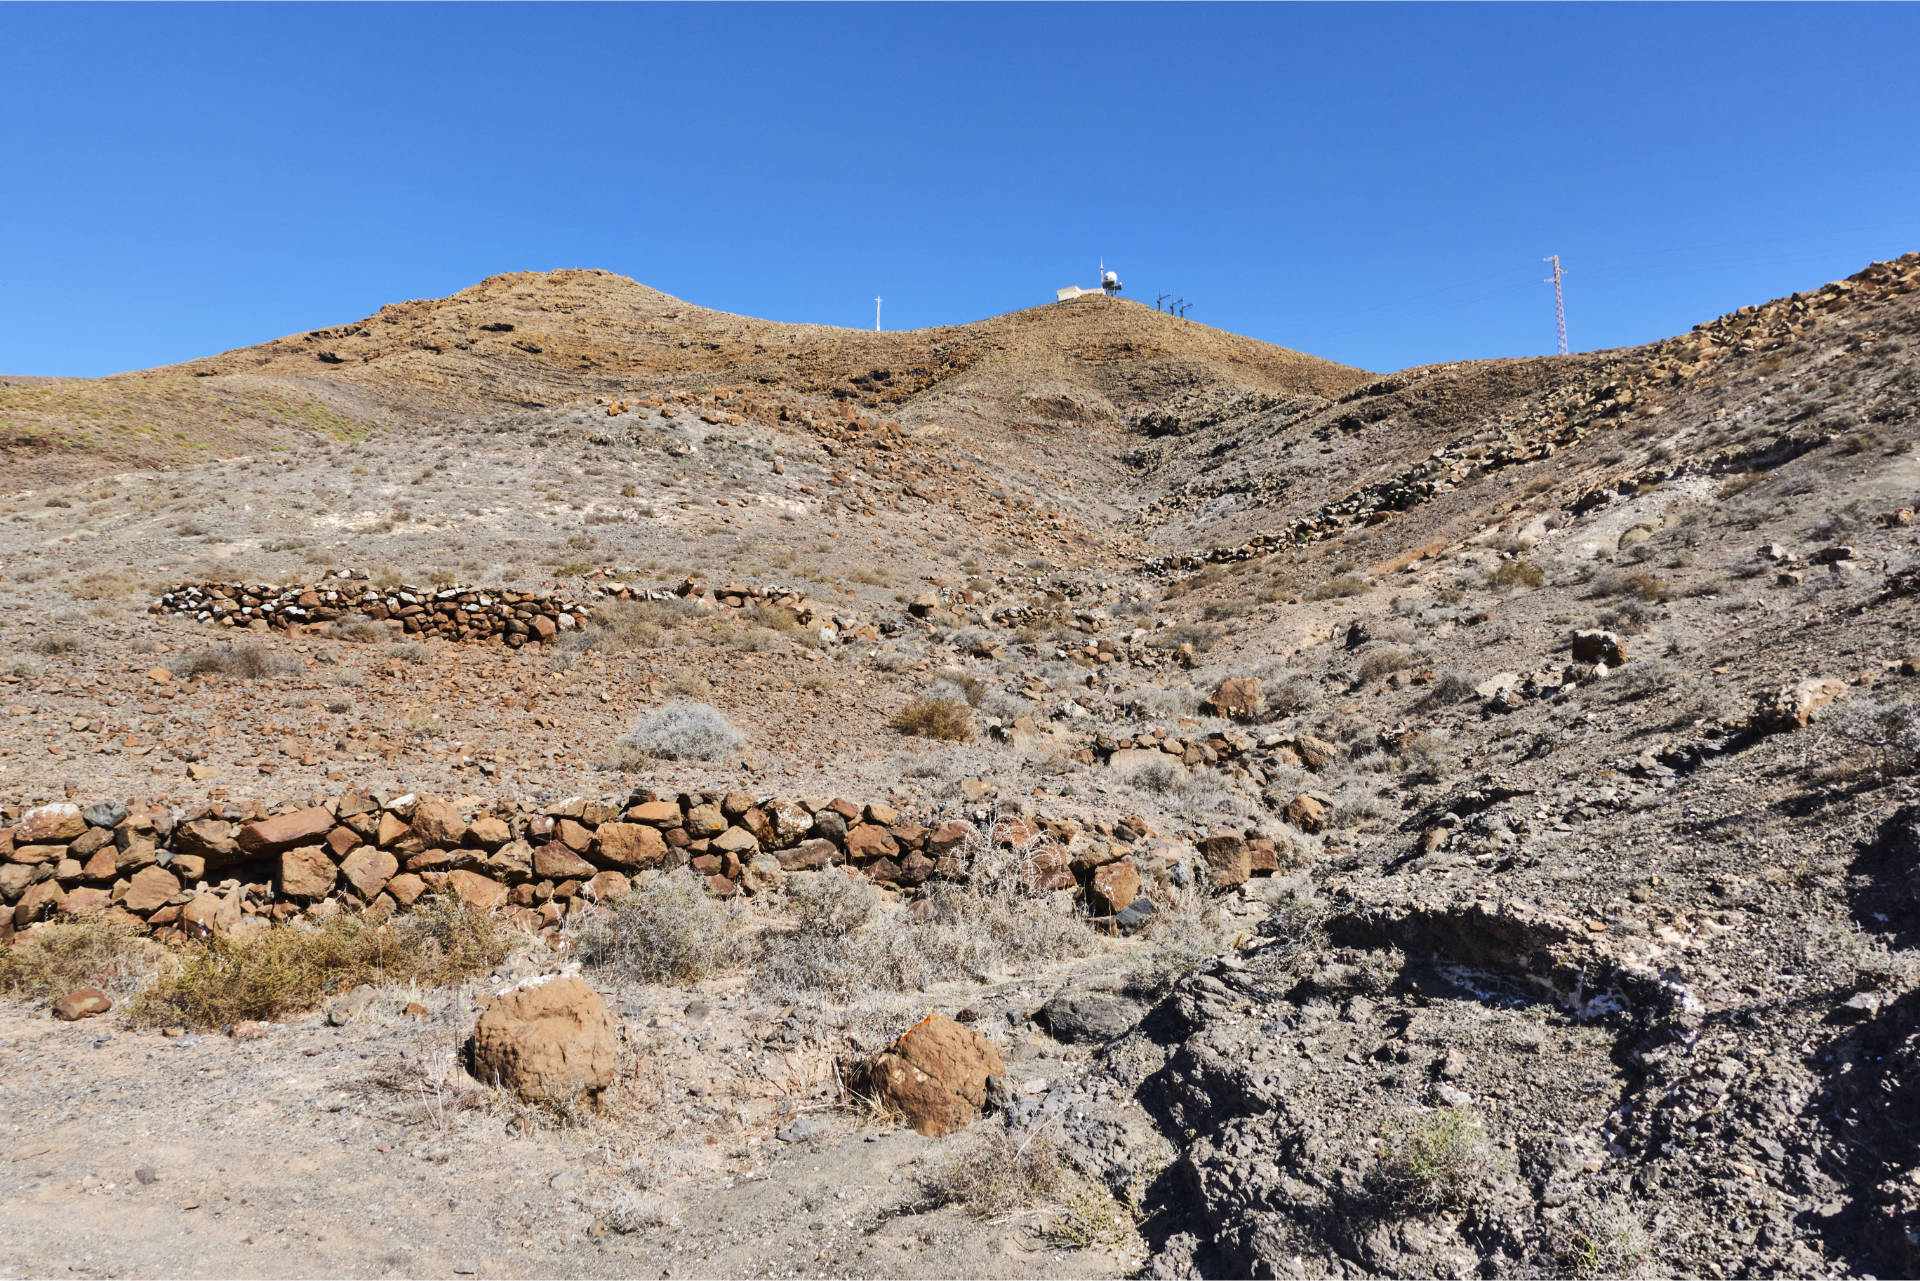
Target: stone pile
{"x":205,"y":870}
{"x":512,"y":618}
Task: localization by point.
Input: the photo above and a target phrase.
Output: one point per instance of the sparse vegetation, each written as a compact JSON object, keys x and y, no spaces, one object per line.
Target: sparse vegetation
{"x":1435,"y":1161}
{"x":243,"y":662}
{"x":684,"y":732}
{"x":266,"y":974}
{"x":996,"y":1173}
{"x":946,"y":719}
{"x":1518,"y":572}
{"x":669,"y":930}
{"x":54,"y":958}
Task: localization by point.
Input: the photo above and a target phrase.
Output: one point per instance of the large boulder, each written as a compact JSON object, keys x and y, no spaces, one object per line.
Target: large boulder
{"x":936,"y":1074}
{"x":549,"y":1040}
{"x":1238,"y":697}
{"x":368,"y":870}
{"x":306,"y":872}
{"x":1229,"y":859}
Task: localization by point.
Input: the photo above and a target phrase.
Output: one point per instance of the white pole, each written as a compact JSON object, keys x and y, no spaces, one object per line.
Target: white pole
{"x":876,"y":315}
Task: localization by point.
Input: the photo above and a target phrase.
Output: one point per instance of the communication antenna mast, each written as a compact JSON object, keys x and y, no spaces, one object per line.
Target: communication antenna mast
{"x":1160,"y":300}
{"x":1559,"y":301}
{"x":876,"y":315}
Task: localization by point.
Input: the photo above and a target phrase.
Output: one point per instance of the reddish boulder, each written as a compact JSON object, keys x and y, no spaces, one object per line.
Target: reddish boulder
{"x":150,"y":888}
{"x":549,"y":1040}
{"x":936,"y":1074}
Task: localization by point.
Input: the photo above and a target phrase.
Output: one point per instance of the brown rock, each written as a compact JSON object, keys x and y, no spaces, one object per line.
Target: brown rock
{"x":631,"y":845}
{"x":1228,"y":857}
{"x":1594,"y":646}
{"x":575,"y":836}
{"x":1114,"y":886}
{"x":550,"y":1041}
{"x":340,"y":840}
{"x":406,"y":889}
{"x":480,"y":893}
{"x":210,"y":838}
{"x":1315,"y":753}
{"x":705,"y":820}
{"x":34,"y":855}
{"x":948,"y":837}
{"x":151,"y":888}
{"x":555,"y":862}
{"x":47,"y":824}
{"x":306,"y":872}
{"x":870,"y":841}
{"x":439,"y":824}
{"x":86,"y":900}
{"x":1309,"y":813}
{"x":721,"y":887}
{"x":285,"y":831}
{"x":1791,"y":707}
{"x":43,"y":898}
{"x":808,"y":856}
{"x":368,"y":870}
{"x":737,"y":841}
{"x":392,"y":828}
{"x":1048,"y":868}
{"x":936,"y":1074}
{"x":489,"y":832}
{"x":1238,"y":697}
{"x":608,"y":886}
{"x":658,"y":813}
{"x":81,"y":1003}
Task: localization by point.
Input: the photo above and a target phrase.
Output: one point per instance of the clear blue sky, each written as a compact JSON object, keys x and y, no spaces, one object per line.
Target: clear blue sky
{"x":1375,"y":184}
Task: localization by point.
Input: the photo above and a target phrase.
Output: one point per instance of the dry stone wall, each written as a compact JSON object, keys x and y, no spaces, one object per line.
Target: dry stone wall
{"x":454,"y":613}
{"x":195,"y":872}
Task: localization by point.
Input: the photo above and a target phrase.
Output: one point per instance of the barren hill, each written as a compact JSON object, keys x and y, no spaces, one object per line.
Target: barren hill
{"x":536,"y":338}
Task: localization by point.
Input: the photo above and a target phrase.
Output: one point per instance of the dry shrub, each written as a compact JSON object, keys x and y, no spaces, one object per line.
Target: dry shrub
{"x":1437,"y":1160}
{"x":995,"y":1174}
{"x":246,"y":662}
{"x":102,"y":587}
{"x":264,"y":973}
{"x":1517,"y":573}
{"x":1638,"y":585}
{"x":684,"y":732}
{"x":49,"y":961}
{"x":1452,"y":687}
{"x":1384,"y":662}
{"x":1339,"y":587}
{"x":669,"y":930}
{"x":844,"y":945}
{"x":945,"y":719}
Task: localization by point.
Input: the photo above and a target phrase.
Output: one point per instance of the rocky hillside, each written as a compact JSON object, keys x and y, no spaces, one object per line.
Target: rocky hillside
{"x":1505,"y":769}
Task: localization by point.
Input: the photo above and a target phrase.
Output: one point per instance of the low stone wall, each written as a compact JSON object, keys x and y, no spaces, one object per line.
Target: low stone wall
{"x":199,"y":871}
{"x":454,"y":613}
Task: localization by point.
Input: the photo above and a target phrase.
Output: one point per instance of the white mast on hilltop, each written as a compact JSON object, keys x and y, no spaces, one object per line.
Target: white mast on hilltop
{"x":876,"y":315}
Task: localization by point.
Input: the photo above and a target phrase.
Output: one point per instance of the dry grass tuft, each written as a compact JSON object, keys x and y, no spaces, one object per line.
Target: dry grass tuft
{"x":51,"y":960}
{"x":995,"y":1174}
{"x":945,"y":719}
{"x":264,"y":974}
